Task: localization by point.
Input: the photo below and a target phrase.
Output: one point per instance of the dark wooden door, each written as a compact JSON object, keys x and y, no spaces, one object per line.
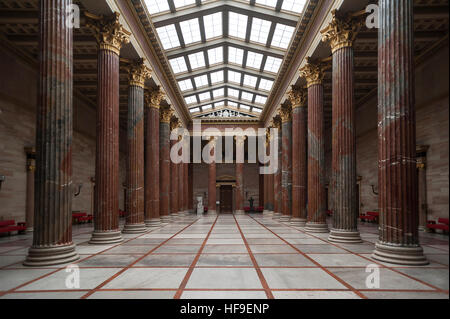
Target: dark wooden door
{"x":226,"y":199}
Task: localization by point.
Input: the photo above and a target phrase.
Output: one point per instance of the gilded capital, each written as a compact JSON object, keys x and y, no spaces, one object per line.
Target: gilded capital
{"x":313,"y":73}
{"x":341,"y":32}
{"x":138,"y":73}
{"x":285,"y":113}
{"x":108,"y":31}
{"x":277,"y":122}
{"x":165,"y":114}
{"x":297,"y":97}
{"x":153,"y":98}
{"x":175,"y":123}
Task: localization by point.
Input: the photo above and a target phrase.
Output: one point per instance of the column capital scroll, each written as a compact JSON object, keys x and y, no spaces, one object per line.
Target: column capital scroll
{"x":313,"y":73}
{"x":138,"y":73}
{"x":153,"y":98}
{"x":285,"y":114}
{"x":297,"y":97}
{"x":166,"y":114}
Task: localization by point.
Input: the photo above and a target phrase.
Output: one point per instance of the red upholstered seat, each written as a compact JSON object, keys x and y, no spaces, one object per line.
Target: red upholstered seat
{"x":7,"y":226}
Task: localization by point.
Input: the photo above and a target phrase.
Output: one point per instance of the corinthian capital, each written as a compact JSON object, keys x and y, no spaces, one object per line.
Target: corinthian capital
{"x":312,"y":72}
{"x":297,"y":97}
{"x":342,"y":31}
{"x":153,"y":98}
{"x":108,"y":31}
{"x":138,"y":73}
{"x":285,"y":113}
{"x":166,"y":114}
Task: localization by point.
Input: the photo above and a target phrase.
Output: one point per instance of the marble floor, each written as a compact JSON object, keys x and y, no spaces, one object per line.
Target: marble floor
{"x":248,"y":257}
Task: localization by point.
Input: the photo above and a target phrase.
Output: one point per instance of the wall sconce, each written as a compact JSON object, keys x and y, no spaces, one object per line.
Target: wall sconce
{"x":2,"y":179}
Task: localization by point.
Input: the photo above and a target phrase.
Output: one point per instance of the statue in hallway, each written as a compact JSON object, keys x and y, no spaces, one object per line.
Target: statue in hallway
{"x":251,"y":200}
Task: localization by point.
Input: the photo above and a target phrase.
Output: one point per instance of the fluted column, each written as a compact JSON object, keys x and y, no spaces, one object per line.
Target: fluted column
{"x":186,"y":188}
{"x":181,"y":187}
{"x":277,"y":176}
{"x":190,"y":187}
{"x":152,"y":172}
{"x":239,"y":171}
{"x":110,"y":36}
{"x":135,"y":159}
{"x":212,"y":181}
{"x":316,"y":220}
{"x":298,"y":99}
{"x":397,"y":176}
{"x":286,"y":163}
{"x":421,"y":151}
{"x":52,"y":237}
{"x":164,"y":164}
{"x":174,"y":178}
{"x":29,"y":205}
{"x":340,"y":33}
{"x":270,"y":180}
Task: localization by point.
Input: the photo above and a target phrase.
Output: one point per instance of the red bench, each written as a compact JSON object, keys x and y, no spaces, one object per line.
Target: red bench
{"x":205,"y":209}
{"x":87,"y":218}
{"x":76,"y":216}
{"x":259,"y":209}
{"x":122,"y":213}
{"x":329,"y":212}
{"x":370,"y":217}
{"x":8,"y":226}
{"x":442,"y":224}
{"x":246,"y":209}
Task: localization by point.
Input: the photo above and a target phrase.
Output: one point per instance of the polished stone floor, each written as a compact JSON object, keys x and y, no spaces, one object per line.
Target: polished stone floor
{"x":228,"y":256}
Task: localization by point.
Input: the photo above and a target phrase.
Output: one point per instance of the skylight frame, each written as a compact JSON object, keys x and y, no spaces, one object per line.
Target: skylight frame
{"x":213,"y":25}
{"x":215,"y":55}
{"x":178,"y":65}
{"x":168,"y":36}
{"x":282,"y":36}
{"x":161,"y":6}
{"x":237,"y":25}
{"x":197,"y":60}
{"x":190,"y":29}
{"x":260,"y":30}
{"x":201,"y":81}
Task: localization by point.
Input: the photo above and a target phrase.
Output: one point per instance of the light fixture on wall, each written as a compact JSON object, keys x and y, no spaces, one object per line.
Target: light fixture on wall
{"x":2,"y":179}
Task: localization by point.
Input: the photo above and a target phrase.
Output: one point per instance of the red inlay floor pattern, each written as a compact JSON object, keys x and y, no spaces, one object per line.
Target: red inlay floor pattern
{"x":225,"y":256}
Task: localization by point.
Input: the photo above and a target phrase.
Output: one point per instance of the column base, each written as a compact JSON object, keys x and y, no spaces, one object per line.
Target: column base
{"x":298,"y":222}
{"x":265,"y":212}
{"x":212,"y":213}
{"x":105,"y":237}
{"x":285,"y":218}
{"x":53,"y":255}
{"x":422,"y":228}
{"x":29,"y":230}
{"x":276,"y":216}
{"x":175,"y":215}
{"x":316,"y":227}
{"x":134,"y":228}
{"x":239,"y":212}
{"x":165,"y":219}
{"x":401,"y":255}
{"x":342,"y":236}
{"x":154,"y":222}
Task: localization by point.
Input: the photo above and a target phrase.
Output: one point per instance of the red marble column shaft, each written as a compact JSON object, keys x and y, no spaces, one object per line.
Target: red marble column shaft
{"x":397,"y":175}
{"x":266,"y":192}
{"x":152,"y":167}
{"x":239,"y":190}
{"x":190,"y":187}
{"x":29,"y":206}
{"x":164,"y":165}
{"x":174,"y":182}
{"x":186,"y":187}
{"x":316,"y":161}
{"x":345,"y":210}
{"x":299,"y":164}
{"x":212,"y":184}
{"x":52,"y":237}
{"x":286,"y":169}
{"x":277,"y":179}
{"x":180,"y":188}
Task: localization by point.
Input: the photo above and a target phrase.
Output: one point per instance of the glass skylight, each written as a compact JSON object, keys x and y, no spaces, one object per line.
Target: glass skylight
{"x":250,"y":80}
{"x":219,"y":104}
{"x":204,"y":96}
{"x":260,"y":30}
{"x":215,"y":55}
{"x":191,"y":31}
{"x":178,"y":65}
{"x":233,"y":93}
{"x":235,"y":55}
{"x":244,"y":107}
{"x":216,"y":77}
{"x":232,"y":104}
{"x":260,"y":99}
{"x":218,"y":92}
{"x":237,"y":25}
{"x":168,"y":36}
{"x":247,"y":96}
{"x":213,"y":25}
{"x":185,"y":85}
{"x":190,"y":99}
{"x":265,"y":84}
{"x":254,"y":60}
{"x":282,"y":36}
{"x":269,"y":3}
{"x":157,"y":6}
{"x":201,"y":81}
{"x":272,"y":64}
{"x":293,"y":5}
{"x":234,"y":77}
{"x":206,"y":107}
{"x":182,"y":3}
{"x":195,"y":109}
{"x":256,"y":110}
{"x":197,"y":60}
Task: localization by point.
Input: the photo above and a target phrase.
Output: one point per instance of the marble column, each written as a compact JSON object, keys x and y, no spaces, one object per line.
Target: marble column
{"x":174,"y":178}
{"x":270,"y":180}
{"x":316,"y":220}
{"x":212,"y":182}
{"x":164,"y":164}
{"x":152,"y":102}
{"x":29,"y":205}
{"x":397,"y":176}
{"x":286,"y":163}
{"x":186,"y":188}
{"x":135,"y":141}
{"x":277,"y":176}
{"x":340,"y":33}
{"x":52,"y":236}
{"x":266,"y":190}
{"x":190,"y":187}
{"x":110,"y":36}
{"x":421,"y":151}
{"x":298,"y":99}
{"x":239,"y":171}
{"x":181,"y":187}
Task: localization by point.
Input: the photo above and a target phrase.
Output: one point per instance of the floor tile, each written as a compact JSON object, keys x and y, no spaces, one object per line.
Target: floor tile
{"x":13,"y":278}
{"x":225,"y":260}
{"x":315,"y":295}
{"x":166,"y":260}
{"x":300,"y":278}
{"x":224,"y":278}
{"x":223,"y":295}
{"x":282,"y":260}
{"x":132,"y":295}
{"x":148,"y":278}
{"x":336,"y":260}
